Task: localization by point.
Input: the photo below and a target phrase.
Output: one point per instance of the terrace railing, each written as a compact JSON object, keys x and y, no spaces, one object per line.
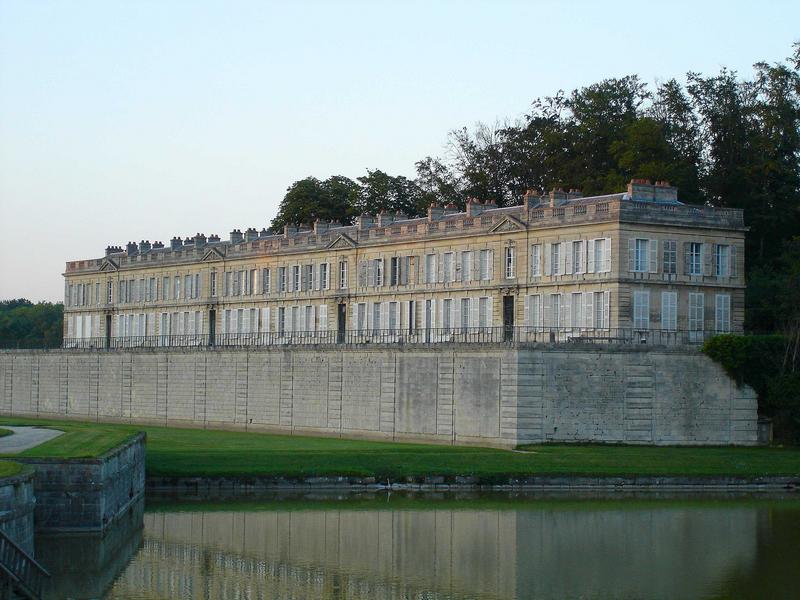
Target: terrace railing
{"x":422,"y":336}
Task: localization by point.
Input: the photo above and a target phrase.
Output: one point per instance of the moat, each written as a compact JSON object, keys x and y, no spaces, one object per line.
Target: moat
{"x":437,"y":546}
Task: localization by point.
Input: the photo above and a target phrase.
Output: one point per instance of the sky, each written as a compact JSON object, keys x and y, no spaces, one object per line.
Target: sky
{"x":124,"y":121}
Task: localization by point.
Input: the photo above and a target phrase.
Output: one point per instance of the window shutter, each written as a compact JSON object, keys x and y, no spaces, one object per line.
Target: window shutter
{"x":653,"y":256}
{"x":401,"y":320}
{"x":323,"y":317}
{"x":607,"y":308}
{"x":457,"y":264}
{"x":455,"y":322}
{"x":631,"y":254}
{"x":354,"y":318}
{"x":491,"y":311}
{"x":606,"y":254}
{"x":264,"y":328}
{"x":566,"y":310}
{"x":687,"y":258}
{"x":590,"y":252}
{"x":582,"y":258}
{"x":588,"y":307}
{"x":547,"y":309}
{"x":732,"y":262}
{"x":440,"y":274}
{"x":384,"y":315}
{"x":234,"y":321}
{"x":708,"y":256}
{"x":714,"y":266}
{"x":526,"y":316}
{"x":567,"y":258}
{"x":548,"y":267}
{"x":475,"y":264}
{"x":491,"y":265}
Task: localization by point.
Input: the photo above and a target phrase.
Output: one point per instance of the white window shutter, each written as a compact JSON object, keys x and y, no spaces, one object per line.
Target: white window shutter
{"x":547,"y":309}
{"x":566,"y":310}
{"x":455,"y":322}
{"x":708,"y":255}
{"x":588,"y":309}
{"x":653,"y":256}
{"x":264,"y":325}
{"x":401,"y":320}
{"x":474,"y":319}
{"x":491,"y":265}
{"x":354,"y":317}
{"x":563,"y":257}
{"x":568,"y":258}
{"x":732,"y":262}
{"x":526,"y":318}
{"x":607,"y":308}
{"x":384,"y":315}
{"x":548,"y":267}
{"x":323,"y":317}
{"x":490,"y":320}
{"x":234,"y":321}
{"x":606,"y":255}
{"x":631,"y":254}
{"x":590,"y":252}
{"x":582,"y":258}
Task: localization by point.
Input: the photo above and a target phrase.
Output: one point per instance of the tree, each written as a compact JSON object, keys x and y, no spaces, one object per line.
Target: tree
{"x":310,"y":199}
{"x":379,"y":191}
{"x":27,"y":325}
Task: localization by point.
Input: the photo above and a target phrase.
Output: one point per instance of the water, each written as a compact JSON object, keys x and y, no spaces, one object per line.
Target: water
{"x":486,"y":547}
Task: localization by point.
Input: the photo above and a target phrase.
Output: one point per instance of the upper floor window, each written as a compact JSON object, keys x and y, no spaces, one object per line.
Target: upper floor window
{"x":641,"y":261}
{"x":266,"y":281}
{"x":430,"y":268}
{"x":324,"y":277}
{"x":342,"y":274}
{"x":641,"y":310}
{"x":695,"y":258}
{"x":509,"y":263}
{"x":486,"y":265}
{"x":466,"y":265}
{"x":555,"y":258}
{"x":722,"y":314}
{"x":723,"y":260}
{"x":670,"y":265}
{"x":449,"y":267}
{"x":578,"y":257}
{"x":377,"y":272}
{"x":282,"y":279}
{"x":295,"y":281}
{"x":536,"y":260}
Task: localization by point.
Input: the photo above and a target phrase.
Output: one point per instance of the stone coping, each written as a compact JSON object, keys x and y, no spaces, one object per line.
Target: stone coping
{"x":132,"y":440}
{"x":466,"y":483}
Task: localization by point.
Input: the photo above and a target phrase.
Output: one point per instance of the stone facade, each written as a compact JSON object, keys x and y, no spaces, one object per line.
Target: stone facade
{"x":493,"y":395}
{"x":639,"y":260}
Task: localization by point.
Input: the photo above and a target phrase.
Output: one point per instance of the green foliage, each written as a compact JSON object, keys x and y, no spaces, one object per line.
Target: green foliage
{"x":27,"y":325}
{"x":5,"y":432}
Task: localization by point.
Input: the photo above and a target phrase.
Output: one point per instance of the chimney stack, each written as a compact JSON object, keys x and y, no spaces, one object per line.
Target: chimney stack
{"x":213,"y":239}
{"x":435,"y":212}
{"x":557,"y":197}
{"x":320,"y":227}
{"x":132,"y":248}
{"x":144,"y":246}
{"x":364,"y":221}
{"x":450,"y":209}
{"x":664,"y":192}
{"x":530,"y":199}
{"x":199,"y":240}
{"x":264,"y":233}
{"x":113,"y":250}
{"x":641,"y":190}
{"x":384,"y":218}
{"x":236,"y":236}
{"x":474,"y":207}
{"x":176,"y":243}
{"x":251,"y":234}
{"x":158,"y":245}
{"x":574,"y":194}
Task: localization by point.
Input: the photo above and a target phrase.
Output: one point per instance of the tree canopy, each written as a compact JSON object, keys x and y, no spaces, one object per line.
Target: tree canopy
{"x":27,"y":325}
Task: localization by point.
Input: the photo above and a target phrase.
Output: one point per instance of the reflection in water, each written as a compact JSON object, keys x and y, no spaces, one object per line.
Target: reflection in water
{"x":482,"y":549}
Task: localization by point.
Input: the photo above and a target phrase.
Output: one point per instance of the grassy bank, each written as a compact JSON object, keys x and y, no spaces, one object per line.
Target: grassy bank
{"x":5,"y":432}
{"x":9,"y":468}
{"x":197,"y":452}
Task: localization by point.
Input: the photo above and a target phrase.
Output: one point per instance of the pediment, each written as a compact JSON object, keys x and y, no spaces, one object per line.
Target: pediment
{"x":342,"y":242}
{"x":508,"y":224}
{"x":109,"y":265}
{"x":212,"y":254}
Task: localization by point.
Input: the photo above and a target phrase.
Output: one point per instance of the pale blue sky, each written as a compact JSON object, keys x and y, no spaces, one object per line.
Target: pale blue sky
{"x":143,"y":120}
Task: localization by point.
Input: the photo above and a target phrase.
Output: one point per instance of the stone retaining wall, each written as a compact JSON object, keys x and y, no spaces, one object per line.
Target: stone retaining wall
{"x":16,"y":508}
{"x":492,"y":395}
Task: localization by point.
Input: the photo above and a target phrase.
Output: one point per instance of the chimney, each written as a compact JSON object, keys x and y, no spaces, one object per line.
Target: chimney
{"x":188,"y":241}
{"x":450,"y":209}
{"x":113,"y":250}
{"x":132,"y":248}
{"x":213,"y":239}
{"x":474,"y":207}
{"x":289,"y":230}
{"x":385,"y":218}
{"x":236,"y":236}
{"x":574,"y":194}
{"x":320,"y":227}
{"x":435,"y":212}
{"x":489,"y":205}
{"x":557,"y":197}
{"x":175,"y":243}
{"x":400,"y":216}
{"x":251,"y":234}
{"x":199,"y":240}
{"x":641,"y":190}
{"x":664,"y":192}
{"x":264,"y":233}
{"x":530,"y":199}
{"x":144,"y":246}
{"x":364,"y":221}
{"x":158,"y":245}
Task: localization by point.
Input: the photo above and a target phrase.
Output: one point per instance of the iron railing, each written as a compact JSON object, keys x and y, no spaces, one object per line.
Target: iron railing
{"x":456,"y":335}
{"x":21,"y":571}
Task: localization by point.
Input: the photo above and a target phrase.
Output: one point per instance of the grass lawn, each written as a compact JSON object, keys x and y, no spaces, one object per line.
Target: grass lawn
{"x":5,"y":432}
{"x":197,"y":452}
{"x":9,"y":468}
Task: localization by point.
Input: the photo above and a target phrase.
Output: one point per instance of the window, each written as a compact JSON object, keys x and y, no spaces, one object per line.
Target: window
{"x":376,"y":317}
{"x":641,"y":310}
{"x":251,"y":283}
{"x":97,"y":293}
{"x":151,"y":290}
{"x":509,"y":263}
{"x":188,"y":292}
{"x":536,"y":260}
{"x":109,"y":292}
{"x":307,"y":282}
{"x":213,"y":284}
{"x":377,"y":272}
{"x":295,"y":283}
{"x":695,"y":258}
{"x":295,"y":324}
{"x":361,"y":316}
{"x":722,"y":314}
{"x":394,"y":271}
{"x":412,"y":316}
{"x":484,"y":318}
{"x":266,"y":281}
{"x":281,"y":320}
{"x":641,"y":260}
{"x":342,"y":274}
{"x":555,"y":310}
{"x":449,"y":267}
{"x":465,"y":308}
{"x":308,"y":321}
{"x":578,"y":258}
{"x":486,"y":265}
{"x":447,"y":312}
{"x":600,"y":302}
{"x":324,"y":279}
{"x":430,"y":268}
{"x":176,"y":295}
{"x":393,"y":325}
{"x":723,"y":261}
{"x":466,"y":266}
{"x":696,"y":310}
{"x":670,"y":257}
{"x":226,"y":283}
{"x":576,"y":308}
{"x":597,"y":251}
{"x":281,"y":279}
{"x":669,"y":310}
{"x":535,"y":311}
{"x":555,"y":258}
